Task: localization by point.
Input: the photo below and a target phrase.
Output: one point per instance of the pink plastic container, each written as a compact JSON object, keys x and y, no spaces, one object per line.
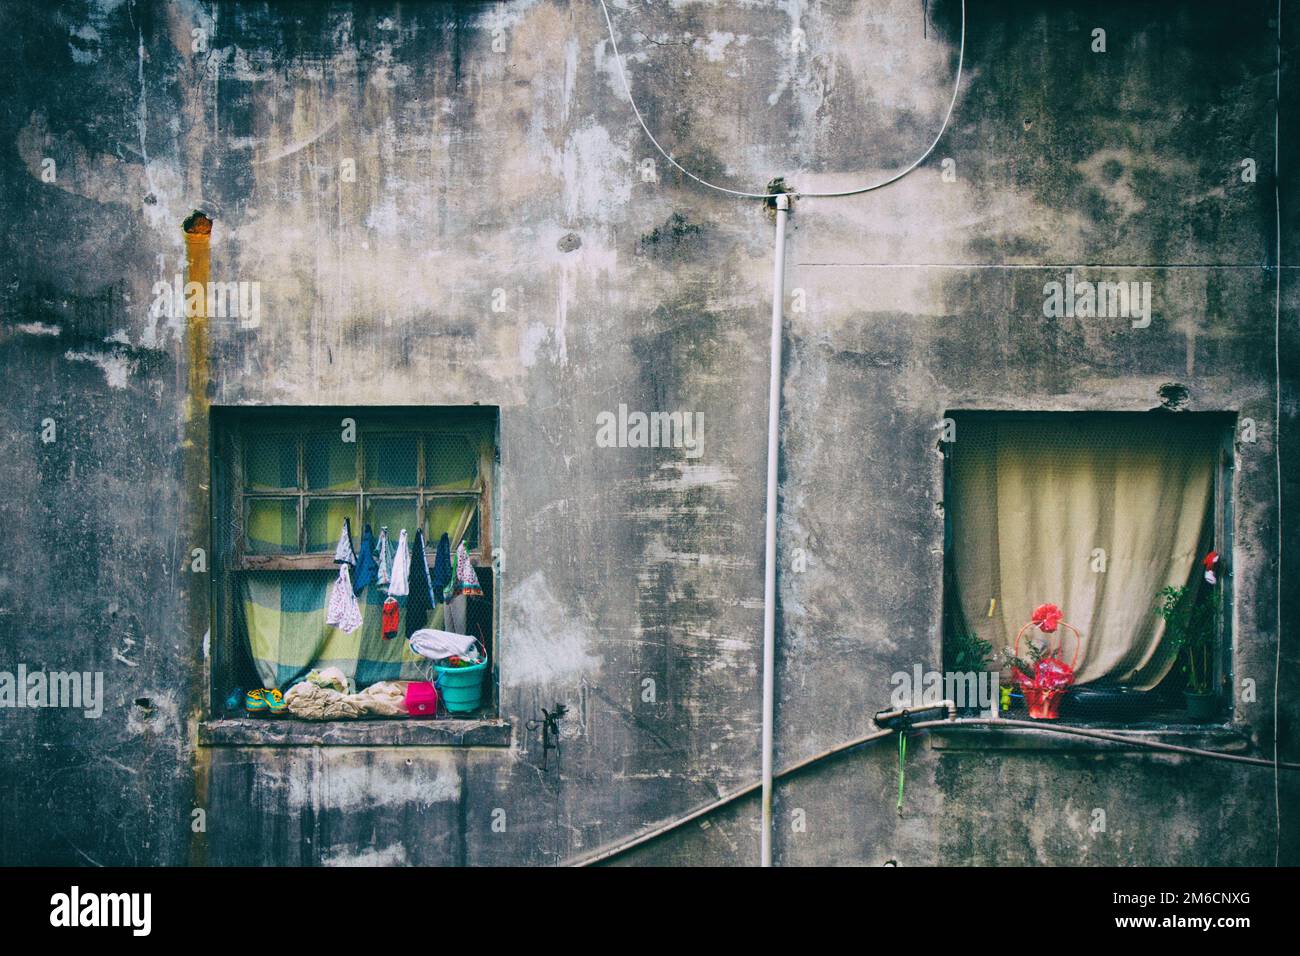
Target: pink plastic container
{"x":421,"y":699}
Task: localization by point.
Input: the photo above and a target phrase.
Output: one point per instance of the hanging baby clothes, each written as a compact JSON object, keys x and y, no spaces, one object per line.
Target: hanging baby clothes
{"x":466,"y":576}
{"x":344,"y":612}
{"x":420,"y":602}
{"x":398,"y":586}
{"x":464,"y":586}
{"x":384,"y":560}
{"x":366,"y":568}
{"x":343,"y":553}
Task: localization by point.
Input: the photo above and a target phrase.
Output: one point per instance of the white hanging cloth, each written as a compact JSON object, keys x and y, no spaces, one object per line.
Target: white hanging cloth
{"x":344,"y":612}
{"x":399,"y":584}
{"x":343,"y":553}
{"x":384,"y":558}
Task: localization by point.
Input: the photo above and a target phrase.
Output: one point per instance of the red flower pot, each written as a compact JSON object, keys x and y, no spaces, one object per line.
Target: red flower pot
{"x":1044,"y":703}
{"x":1052,"y":676}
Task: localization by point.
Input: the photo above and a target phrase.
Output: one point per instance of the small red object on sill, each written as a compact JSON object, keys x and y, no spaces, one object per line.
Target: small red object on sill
{"x":421,"y":699}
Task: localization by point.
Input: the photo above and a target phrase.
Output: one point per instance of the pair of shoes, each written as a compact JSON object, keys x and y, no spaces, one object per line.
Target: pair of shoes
{"x":264,"y":700}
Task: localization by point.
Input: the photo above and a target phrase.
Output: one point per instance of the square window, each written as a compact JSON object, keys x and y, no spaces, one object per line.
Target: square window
{"x":329,"y":462}
{"x":287,"y":481}
{"x":452,"y":462}
{"x":271,"y":525}
{"x":454,"y":516}
{"x":392,"y":460}
{"x":323,"y":523}
{"x":395,"y":514}
{"x":271,"y":462}
{"x":1109,"y":517}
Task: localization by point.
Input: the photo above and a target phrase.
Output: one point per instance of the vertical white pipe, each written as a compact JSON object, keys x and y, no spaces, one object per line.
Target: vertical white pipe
{"x":769,"y":568}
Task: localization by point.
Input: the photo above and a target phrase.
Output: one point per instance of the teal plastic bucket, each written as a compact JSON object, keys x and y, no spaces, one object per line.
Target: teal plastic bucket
{"x":461,"y":688}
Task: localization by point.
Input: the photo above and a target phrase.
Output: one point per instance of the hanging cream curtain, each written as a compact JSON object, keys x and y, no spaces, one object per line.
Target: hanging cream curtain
{"x":1033,"y":499}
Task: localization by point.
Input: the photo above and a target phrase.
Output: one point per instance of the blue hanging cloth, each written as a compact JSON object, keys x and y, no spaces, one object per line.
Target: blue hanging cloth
{"x":420,"y":601}
{"x":442,"y":572}
{"x":367,"y":570}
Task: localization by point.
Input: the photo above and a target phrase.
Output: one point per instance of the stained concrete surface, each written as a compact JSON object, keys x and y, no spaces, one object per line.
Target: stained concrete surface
{"x":493,"y":150}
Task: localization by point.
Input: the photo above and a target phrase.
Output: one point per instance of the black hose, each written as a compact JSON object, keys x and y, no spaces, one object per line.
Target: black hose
{"x":663,"y":828}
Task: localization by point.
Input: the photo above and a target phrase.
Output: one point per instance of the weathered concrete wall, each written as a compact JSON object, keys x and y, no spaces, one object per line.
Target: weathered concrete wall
{"x":494,"y":150}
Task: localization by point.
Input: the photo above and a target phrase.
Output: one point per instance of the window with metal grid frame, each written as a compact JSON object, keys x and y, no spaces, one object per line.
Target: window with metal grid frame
{"x":287,"y":482}
{"x":1087,"y":561}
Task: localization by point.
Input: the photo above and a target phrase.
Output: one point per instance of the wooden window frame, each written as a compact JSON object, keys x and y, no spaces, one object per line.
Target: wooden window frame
{"x":305,"y":560}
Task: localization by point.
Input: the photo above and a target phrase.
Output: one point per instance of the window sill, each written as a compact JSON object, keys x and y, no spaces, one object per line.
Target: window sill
{"x":394,"y":732}
{"x":1225,"y":738}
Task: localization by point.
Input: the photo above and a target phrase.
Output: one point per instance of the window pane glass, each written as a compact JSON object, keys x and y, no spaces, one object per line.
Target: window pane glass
{"x":452,"y":516}
{"x":324,"y":522}
{"x":330,"y":462}
{"x":271,"y":526}
{"x":395,"y":513}
{"x":450,"y":462}
{"x":270,"y":462}
{"x":391,"y":460}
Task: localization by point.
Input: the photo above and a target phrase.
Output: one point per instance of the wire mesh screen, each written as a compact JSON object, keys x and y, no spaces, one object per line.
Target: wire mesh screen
{"x":302,"y":496}
{"x":1085,"y":566}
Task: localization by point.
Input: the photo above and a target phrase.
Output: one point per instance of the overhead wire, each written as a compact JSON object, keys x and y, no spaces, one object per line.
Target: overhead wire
{"x":744,"y":194}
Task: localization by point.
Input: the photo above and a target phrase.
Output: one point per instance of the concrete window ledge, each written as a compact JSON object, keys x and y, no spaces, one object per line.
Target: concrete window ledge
{"x":394,"y":732}
{"x":1223,"y":738}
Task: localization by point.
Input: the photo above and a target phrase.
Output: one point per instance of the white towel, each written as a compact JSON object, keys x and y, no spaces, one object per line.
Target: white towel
{"x":343,"y":612}
{"x":399,"y":584}
{"x":435,"y":645}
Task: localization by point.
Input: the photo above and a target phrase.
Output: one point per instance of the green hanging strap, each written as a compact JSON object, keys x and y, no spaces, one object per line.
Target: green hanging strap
{"x":902,"y":758}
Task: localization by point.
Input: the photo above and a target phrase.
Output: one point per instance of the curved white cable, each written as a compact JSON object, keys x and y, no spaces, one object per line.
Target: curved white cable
{"x":956,"y":86}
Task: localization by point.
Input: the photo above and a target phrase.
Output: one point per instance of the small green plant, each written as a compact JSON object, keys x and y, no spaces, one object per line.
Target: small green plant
{"x":965,"y":652}
{"x":1190,"y":624}
{"x":1035,"y":649}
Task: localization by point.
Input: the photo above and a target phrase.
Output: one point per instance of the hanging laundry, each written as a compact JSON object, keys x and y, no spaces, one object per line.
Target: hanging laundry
{"x":367,"y":571}
{"x":390,"y":619}
{"x":466,"y":576}
{"x":442,"y":574}
{"x":385,"y":559}
{"x":456,"y":616}
{"x":420,"y":602}
{"x":343,"y":553}
{"x":398,"y":586}
{"x":344,"y":612}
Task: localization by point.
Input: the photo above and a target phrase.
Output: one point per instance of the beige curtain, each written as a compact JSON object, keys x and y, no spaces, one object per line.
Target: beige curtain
{"x":1032,"y":500}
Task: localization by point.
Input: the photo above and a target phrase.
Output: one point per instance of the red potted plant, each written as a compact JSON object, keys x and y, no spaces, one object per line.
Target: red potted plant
{"x":1043,"y":676}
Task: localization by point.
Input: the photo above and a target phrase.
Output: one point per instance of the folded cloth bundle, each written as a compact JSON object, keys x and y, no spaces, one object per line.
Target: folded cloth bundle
{"x":435,"y":645}
{"x":330,"y":677}
{"x":310,"y":701}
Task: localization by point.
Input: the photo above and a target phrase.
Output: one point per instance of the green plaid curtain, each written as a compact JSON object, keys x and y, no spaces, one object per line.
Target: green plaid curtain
{"x":284,"y":611}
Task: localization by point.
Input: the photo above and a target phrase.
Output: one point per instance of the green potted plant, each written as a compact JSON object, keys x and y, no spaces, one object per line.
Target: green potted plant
{"x":964,"y":652}
{"x":1190,"y":620}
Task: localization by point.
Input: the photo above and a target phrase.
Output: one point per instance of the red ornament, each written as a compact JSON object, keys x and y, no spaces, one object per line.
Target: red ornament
{"x":1046,"y":617}
{"x":1210,"y":560}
